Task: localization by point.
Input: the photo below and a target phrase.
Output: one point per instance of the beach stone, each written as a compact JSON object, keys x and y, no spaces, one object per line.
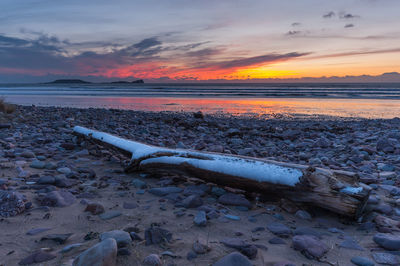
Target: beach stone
{"x":306,"y":231}
{"x":162,"y":191}
{"x":137,"y":183}
{"x":135,"y":236}
{"x":303,"y":215}
{"x":101,"y":254}
{"x":60,"y":198}
{"x":46,"y":180}
{"x":110,"y":215}
{"x":130,"y":205}
{"x":362,"y":261}
{"x":27,"y":154}
{"x":192,"y":201}
{"x":199,"y":190}
{"x":217,"y":191}
{"x":64,"y":170}
{"x":11,"y":203}
{"x":68,"y":248}
{"x":37,"y":164}
{"x":59,"y":238}
{"x":350,"y":243}
{"x":152,"y":260}
{"x":234,"y":200}
{"x":157,"y":235}
{"x":279,"y":229}
{"x":36,"y":231}
{"x":277,"y":241}
{"x":387,"y":241}
{"x":386,"y":258}
{"x":191,"y":255}
{"x":37,"y":257}
{"x":123,"y":238}
{"x":384,"y":145}
{"x":94,"y":208}
{"x":310,"y":246}
{"x":200,"y":219}
{"x":200,"y":248}
{"x":233,"y":259}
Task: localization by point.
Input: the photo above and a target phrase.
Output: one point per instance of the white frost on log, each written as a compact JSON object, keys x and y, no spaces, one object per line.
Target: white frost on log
{"x":254,"y":170}
{"x":338,"y":191}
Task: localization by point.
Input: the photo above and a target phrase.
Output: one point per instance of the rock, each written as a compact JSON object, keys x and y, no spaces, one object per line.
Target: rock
{"x":130,"y":205}
{"x":384,"y":145}
{"x":217,"y":191}
{"x":68,"y":248}
{"x":200,"y":219}
{"x":232,"y":217}
{"x":110,"y":214}
{"x":199,"y":190}
{"x":64,"y":170}
{"x":152,"y":260}
{"x":37,"y":164}
{"x":101,"y":254}
{"x":303,"y":215}
{"x":247,"y":249}
{"x":27,"y":154}
{"x":310,"y":246}
{"x":162,"y":191}
{"x":137,"y":183}
{"x":277,"y":241}
{"x":37,"y":257}
{"x":233,"y":259}
{"x":49,"y":180}
{"x":192,"y":201}
{"x":36,"y":231}
{"x":386,"y":258}
{"x":58,"y":238}
{"x":123,"y":238}
{"x":362,"y":261}
{"x":191,"y":255}
{"x":279,"y":229}
{"x":135,"y":236}
{"x":234,"y":200}
{"x":386,"y":225}
{"x":11,"y":203}
{"x":306,"y":231}
{"x":157,"y":235}
{"x":94,"y":208}
{"x":200,"y":248}
{"x":60,"y":198}
{"x":350,"y":243}
{"x":388,"y":241}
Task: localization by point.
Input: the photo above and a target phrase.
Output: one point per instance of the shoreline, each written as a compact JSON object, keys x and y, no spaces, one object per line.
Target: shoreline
{"x":40,"y":157}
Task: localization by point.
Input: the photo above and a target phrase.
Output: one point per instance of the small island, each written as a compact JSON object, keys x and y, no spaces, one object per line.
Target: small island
{"x":79,"y":81}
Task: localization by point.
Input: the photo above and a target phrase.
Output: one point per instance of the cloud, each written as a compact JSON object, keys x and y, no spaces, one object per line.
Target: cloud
{"x":330,"y":14}
{"x":258,"y":60}
{"x":352,"y":53}
{"x":293,"y":32}
{"x":348,"y":16}
{"x":147,"y":43}
{"x":349,"y":25}
{"x":295,"y":24}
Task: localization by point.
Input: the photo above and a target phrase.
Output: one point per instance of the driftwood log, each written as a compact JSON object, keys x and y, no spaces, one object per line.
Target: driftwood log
{"x":337,"y":191}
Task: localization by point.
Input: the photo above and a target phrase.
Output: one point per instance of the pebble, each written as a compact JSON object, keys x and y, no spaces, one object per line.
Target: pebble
{"x":279,"y":229}
{"x":200,"y":219}
{"x":123,"y":238}
{"x":362,"y":261}
{"x":152,"y":260}
{"x":101,"y":254}
{"x":386,"y":258}
{"x":37,"y":257}
{"x":110,"y":214}
{"x":233,"y":259}
{"x":234,"y":200}
{"x":310,"y":246}
{"x":387,"y":241}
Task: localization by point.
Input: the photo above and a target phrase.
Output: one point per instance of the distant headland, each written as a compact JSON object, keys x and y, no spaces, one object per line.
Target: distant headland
{"x":79,"y":81}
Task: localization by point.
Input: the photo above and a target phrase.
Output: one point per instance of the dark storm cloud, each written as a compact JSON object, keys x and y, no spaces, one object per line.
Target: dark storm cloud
{"x":349,"y":25}
{"x":147,"y":43}
{"x":330,"y":14}
{"x":204,"y":52}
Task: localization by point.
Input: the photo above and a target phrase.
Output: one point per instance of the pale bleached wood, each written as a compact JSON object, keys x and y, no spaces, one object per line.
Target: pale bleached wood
{"x":337,"y":191}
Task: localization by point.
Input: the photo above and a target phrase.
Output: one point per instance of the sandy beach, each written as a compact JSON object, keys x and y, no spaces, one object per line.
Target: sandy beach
{"x":57,"y":179}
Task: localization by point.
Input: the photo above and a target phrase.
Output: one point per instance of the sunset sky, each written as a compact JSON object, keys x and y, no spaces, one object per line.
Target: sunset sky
{"x":197,"y":40}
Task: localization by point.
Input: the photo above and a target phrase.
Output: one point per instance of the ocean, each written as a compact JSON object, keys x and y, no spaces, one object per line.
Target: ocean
{"x":345,"y":100}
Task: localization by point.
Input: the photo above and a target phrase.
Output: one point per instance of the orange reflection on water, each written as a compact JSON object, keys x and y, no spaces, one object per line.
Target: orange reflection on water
{"x":367,"y":108}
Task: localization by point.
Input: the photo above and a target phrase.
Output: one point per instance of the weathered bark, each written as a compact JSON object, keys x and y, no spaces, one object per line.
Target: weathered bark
{"x":337,"y":191}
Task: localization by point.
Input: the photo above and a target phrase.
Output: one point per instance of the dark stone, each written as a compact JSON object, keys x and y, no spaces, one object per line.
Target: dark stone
{"x":233,"y":259}
{"x":162,"y":191}
{"x":234,"y":200}
{"x":192,"y":201}
{"x":362,"y":261}
{"x":58,"y":238}
{"x":279,"y":229}
{"x":157,"y":235}
{"x":37,"y":257}
{"x":310,"y":246}
{"x":388,"y":241}
{"x":61,"y":198}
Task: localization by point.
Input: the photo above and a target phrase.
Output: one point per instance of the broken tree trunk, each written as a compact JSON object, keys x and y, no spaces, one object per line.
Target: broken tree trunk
{"x":337,"y":191}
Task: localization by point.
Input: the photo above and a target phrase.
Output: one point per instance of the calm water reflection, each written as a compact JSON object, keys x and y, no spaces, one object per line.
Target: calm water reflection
{"x":368,"y":108}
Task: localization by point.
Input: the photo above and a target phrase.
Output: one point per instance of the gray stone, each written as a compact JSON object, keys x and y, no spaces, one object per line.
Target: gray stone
{"x":123,"y":238}
{"x":279,"y":229}
{"x":59,"y":198}
{"x":388,"y":241}
{"x":157,"y":235}
{"x":37,"y":164}
{"x":234,"y":200}
{"x":303,"y":215}
{"x":362,"y":261}
{"x":386,"y":258}
{"x":101,"y":254}
{"x":137,"y":183}
{"x":37,"y":257}
{"x":200,"y":219}
{"x":192,"y":201}
{"x":233,"y":259}
{"x":310,"y":246}
{"x":162,"y":191}
{"x":110,"y":215}
{"x":152,"y":260}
